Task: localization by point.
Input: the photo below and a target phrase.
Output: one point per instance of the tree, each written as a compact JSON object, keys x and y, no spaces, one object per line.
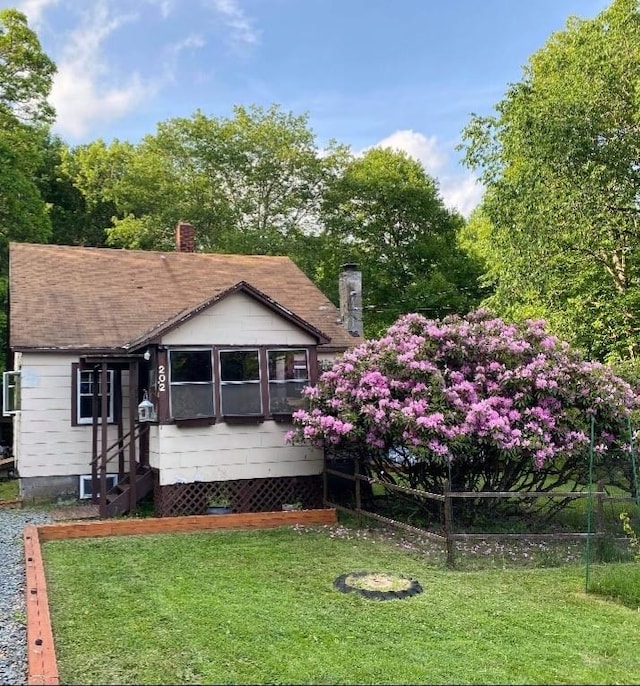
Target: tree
{"x":74,"y":219}
{"x":559,"y":160}
{"x":26,"y":73}
{"x":385,"y":213}
{"x":251,"y":183}
{"x":25,"y":82}
{"x":490,"y":406}
{"x":100,"y":174}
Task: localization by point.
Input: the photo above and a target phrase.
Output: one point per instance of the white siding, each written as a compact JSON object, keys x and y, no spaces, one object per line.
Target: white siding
{"x":238,"y":320}
{"x":229,"y":451}
{"x":46,"y":443}
{"x":223,"y":452}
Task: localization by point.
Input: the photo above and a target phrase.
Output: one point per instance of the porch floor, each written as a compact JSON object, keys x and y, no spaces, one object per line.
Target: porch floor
{"x":74,"y":512}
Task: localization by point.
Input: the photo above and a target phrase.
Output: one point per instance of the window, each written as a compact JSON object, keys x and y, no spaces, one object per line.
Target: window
{"x":10,"y":393}
{"x":84,"y":388}
{"x":288,"y":375}
{"x":85,"y":484}
{"x":191,"y":384}
{"x":240,"y":389}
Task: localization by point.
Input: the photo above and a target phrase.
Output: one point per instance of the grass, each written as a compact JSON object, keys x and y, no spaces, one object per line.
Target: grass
{"x":259,"y":607}
{"x":9,"y":490}
{"x":620,"y":581}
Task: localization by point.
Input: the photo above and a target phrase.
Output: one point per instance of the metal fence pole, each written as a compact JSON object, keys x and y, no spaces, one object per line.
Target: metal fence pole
{"x":448,"y":525}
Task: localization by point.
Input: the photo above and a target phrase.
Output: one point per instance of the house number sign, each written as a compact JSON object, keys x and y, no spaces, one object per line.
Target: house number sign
{"x":162,"y":378}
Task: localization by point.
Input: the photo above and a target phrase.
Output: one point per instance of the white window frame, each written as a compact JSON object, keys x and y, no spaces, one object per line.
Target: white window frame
{"x":85,"y":480}
{"x":173,"y":383}
{"x":11,"y":401}
{"x":110,"y":384}
{"x":255,"y":382}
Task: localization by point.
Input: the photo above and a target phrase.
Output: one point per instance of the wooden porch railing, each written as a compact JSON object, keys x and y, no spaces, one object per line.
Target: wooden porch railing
{"x":99,"y":464}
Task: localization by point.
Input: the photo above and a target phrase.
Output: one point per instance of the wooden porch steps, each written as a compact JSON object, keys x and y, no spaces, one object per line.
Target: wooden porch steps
{"x":119,"y":497}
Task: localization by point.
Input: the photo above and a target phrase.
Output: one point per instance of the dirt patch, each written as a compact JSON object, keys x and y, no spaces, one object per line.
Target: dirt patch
{"x":378,"y":585}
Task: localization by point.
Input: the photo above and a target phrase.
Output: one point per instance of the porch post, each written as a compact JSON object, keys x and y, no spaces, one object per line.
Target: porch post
{"x":133,"y":417}
{"x":117,"y":408}
{"x":94,"y":435}
{"x":104,"y":428}
{"x":144,"y":445}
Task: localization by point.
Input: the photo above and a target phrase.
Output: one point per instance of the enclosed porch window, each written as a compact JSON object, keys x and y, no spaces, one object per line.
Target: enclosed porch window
{"x":191,"y":384}
{"x":240,"y":390}
{"x":288,"y":375}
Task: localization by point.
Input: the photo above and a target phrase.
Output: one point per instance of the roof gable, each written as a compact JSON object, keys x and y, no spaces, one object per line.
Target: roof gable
{"x":181,"y":318}
{"x":74,"y":298}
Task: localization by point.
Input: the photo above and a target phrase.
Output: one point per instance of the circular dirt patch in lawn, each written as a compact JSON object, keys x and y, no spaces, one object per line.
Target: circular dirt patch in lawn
{"x":377,"y":585}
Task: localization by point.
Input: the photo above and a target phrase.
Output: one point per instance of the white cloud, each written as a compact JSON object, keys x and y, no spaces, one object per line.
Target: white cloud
{"x":461,"y":193}
{"x":34,"y":9}
{"x":165,"y":7}
{"x":417,"y":145}
{"x":82,"y":93}
{"x":242,"y":29}
{"x":191,"y":42}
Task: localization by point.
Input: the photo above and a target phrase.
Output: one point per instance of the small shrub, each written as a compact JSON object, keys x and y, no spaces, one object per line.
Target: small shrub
{"x":634,"y":544}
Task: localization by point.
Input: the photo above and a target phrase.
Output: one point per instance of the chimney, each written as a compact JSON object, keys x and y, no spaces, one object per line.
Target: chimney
{"x":185,"y":237}
{"x":350,"y":285}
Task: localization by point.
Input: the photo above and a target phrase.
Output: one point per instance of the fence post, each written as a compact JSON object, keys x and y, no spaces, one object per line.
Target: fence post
{"x":325,"y":486}
{"x":600,"y":528}
{"x":448,"y":526}
{"x":356,"y":474}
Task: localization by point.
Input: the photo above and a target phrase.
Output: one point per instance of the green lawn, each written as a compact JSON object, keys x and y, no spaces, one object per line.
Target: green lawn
{"x":259,"y":607}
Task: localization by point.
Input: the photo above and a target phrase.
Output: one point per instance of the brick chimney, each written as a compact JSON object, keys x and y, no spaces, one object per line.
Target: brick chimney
{"x":350,"y":285}
{"x":185,"y":237}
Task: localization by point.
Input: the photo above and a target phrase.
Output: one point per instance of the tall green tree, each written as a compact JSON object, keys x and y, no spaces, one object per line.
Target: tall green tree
{"x":26,"y":72}
{"x":101,"y":175}
{"x":25,"y":82}
{"x":75,"y":219}
{"x":26,"y":75}
{"x":560,"y":162}
{"x":385,"y":213}
{"x":251,"y":183}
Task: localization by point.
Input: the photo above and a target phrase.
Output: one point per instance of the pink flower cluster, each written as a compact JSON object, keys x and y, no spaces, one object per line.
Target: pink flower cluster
{"x":465,"y":385}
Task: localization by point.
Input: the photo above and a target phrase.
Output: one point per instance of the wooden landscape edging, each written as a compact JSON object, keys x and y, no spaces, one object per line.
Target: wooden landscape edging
{"x":41,"y":657}
{"x":161,"y":525}
{"x":12,"y":503}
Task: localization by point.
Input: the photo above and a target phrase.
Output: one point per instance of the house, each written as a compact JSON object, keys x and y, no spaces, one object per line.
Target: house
{"x":176,"y":372}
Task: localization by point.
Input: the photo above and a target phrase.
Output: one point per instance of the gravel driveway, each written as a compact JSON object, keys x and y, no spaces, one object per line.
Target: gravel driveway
{"x":13,"y":631}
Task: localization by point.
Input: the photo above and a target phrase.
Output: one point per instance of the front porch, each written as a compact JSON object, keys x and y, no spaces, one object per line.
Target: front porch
{"x":128,"y":455}
{"x":121,"y":446}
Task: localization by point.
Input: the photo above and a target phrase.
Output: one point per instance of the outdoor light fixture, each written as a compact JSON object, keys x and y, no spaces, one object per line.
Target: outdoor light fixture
{"x":146,"y":410}
{"x":147,"y":355}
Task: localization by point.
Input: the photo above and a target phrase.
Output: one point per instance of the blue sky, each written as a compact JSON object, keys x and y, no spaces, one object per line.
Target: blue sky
{"x":403,"y":73}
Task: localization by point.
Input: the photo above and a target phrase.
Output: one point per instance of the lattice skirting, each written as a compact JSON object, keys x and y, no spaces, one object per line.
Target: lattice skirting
{"x":242,"y":495}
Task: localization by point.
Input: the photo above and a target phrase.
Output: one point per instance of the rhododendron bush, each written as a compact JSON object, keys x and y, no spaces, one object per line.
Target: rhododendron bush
{"x":495,"y":406}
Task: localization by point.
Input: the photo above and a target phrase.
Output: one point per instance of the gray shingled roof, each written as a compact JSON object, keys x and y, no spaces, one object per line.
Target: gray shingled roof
{"x":64,"y":297}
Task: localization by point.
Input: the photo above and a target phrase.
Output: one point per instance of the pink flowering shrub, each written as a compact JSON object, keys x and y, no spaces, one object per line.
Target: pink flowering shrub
{"x":497,"y":406}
